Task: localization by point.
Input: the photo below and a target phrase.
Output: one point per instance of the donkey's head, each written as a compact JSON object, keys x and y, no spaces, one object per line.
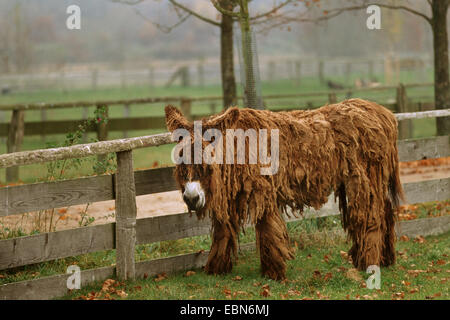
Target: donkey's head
{"x":197,"y":159}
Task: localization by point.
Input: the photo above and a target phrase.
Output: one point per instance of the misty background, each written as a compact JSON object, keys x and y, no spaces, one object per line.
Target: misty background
{"x":113,"y":36}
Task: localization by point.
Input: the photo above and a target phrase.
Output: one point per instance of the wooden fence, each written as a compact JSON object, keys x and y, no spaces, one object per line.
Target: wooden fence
{"x":127,"y":231}
{"x":18,"y":128}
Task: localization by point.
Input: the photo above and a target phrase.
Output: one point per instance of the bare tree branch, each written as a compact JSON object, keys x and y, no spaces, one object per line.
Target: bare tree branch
{"x":420,"y":14}
{"x":216,"y":5}
{"x":331,"y":13}
{"x":273,"y":10}
{"x":195,"y":14}
{"x":165,"y":29}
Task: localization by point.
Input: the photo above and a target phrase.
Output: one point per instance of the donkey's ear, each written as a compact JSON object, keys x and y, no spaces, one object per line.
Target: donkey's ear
{"x":175,"y":119}
{"x":229,"y":117}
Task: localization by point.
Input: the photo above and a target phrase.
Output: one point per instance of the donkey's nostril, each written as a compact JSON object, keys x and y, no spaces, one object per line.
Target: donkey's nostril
{"x":191,"y":202}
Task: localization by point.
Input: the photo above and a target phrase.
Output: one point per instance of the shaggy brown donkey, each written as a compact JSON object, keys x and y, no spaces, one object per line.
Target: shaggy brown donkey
{"x":348,"y":148}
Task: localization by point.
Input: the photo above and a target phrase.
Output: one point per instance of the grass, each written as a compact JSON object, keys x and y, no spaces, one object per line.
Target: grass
{"x":320,"y":270}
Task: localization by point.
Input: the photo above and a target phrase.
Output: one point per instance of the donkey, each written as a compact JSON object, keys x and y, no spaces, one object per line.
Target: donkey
{"x":348,"y":148}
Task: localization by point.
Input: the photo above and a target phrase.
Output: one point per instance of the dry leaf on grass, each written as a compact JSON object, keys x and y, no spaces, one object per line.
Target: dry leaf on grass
{"x":265,"y":292}
{"x":237,"y":278}
{"x":160,"y":277}
{"x":353,"y":274}
{"x":420,"y":239}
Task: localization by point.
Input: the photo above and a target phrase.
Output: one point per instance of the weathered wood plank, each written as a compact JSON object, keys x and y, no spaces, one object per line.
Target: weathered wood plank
{"x":82,"y":150}
{"x":424,"y":191}
{"x":55,"y":245}
{"x":50,"y":287}
{"x":126,"y":212}
{"x":47,"y":195}
{"x":423,"y":227}
{"x":171,"y":264}
{"x":428,"y":148}
{"x":170,"y":227}
{"x":14,"y":142}
{"x":154,"y":181}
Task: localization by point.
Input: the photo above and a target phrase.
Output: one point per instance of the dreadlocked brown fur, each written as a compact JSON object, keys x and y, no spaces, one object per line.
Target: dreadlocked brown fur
{"x":348,"y":148}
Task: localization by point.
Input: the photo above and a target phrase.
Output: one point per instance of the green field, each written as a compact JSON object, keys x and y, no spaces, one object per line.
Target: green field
{"x":145,"y":158}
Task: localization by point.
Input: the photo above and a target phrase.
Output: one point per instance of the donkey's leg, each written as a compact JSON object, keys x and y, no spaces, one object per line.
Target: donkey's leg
{"x":367,"y":246}
{"x":224,"y":246}
{"x":388,"y":254}
{"x":272,"y":241}
{"x":364,"y":222}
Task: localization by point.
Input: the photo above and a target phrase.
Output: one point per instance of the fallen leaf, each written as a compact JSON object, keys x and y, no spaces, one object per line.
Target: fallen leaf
{"x":108,"y":285}
{"x":353,"y":274}
{"x":404,"y":238}
{"x":121,"y":293}
{"x":344,"y":255}
{"x":160,"y":277}
{"x":419,"y":239}
{"x":237,"y":278}
{"x":265,"y":292}
{"x":190,"y":273}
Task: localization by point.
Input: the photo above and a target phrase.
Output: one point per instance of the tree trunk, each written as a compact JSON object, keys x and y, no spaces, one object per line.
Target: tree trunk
{"x":441,"y":66}
{"x":250,"y":93}
{"x":226,"y":59}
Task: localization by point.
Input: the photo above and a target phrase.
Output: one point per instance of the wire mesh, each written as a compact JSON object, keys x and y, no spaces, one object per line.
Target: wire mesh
{"x":249,"y":69}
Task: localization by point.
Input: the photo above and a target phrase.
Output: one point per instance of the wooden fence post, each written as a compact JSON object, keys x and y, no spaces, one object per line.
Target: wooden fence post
{"x":102,"y":128}
{"x":126,"y":114}
{"x":123,"y":81}
{"x":298,"y":72}
{"x":151,"y":76}
{"x":201,"y":74}
{"x":43,"y":118}
{"x":61,"y":81}
{"x":271,"y":71}
{"x":185,"y":77}
{"x":186,"y":106}
{"x":125,"y":216}
{"x":85,"y":117}
{"x":332,"y":98}
{"x":2,"y":120}
{"x":14,"y":143}
{"x":404,"y":126}
{"x":290,"y":72}
{"x":94,"y":79}
{"x":371,"y":70}
{"x":321,"y":72}
{"x":348,"y":71}
{"x":212,"y":107}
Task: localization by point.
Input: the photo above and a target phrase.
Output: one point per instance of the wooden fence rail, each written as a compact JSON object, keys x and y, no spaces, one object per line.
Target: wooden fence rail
{"x":18,"y":128}
{"x":127,"y":231}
